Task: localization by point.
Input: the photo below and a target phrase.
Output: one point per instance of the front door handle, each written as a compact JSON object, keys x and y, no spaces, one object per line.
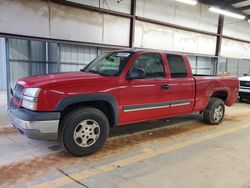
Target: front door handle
{"x":164,"y":86}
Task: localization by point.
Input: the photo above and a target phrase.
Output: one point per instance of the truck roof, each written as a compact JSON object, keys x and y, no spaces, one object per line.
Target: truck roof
{"x":146,"y":50}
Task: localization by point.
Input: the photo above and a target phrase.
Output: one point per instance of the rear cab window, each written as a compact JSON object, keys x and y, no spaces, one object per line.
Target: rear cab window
{"x":177,"y":66}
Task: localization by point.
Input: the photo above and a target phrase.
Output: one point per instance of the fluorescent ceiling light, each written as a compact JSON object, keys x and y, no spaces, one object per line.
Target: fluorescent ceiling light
{"x":248,"y":20}
{"x":226,"y":13}
{"x":190,"y":2}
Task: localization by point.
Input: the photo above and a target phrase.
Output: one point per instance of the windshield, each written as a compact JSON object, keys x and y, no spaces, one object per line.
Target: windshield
{"x":109,"y":64}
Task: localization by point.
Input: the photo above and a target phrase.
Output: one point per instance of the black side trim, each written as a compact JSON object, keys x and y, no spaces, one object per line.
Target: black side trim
{"x":28,"y":115}
{"x":146,"y":106}
{"x":155,"y":105}
{"x":63,"y":103}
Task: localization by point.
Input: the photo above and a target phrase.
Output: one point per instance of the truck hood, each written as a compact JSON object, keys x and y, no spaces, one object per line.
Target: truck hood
{"x":244,"y":78}
{"x":48,"y":79}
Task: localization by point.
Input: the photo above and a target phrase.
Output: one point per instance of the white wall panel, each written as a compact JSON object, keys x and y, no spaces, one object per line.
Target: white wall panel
{"x":116,"y":5}
{"x":76,"y":24}
{"x":116,"y":30}
{"x":149,"y":35}
{"x":236,"y":28}
{"x":38,"y":19}
{"x":206,"y":44}
{"x":163,"y":10}
{"x":235,"y":49}
{"x":94,"y":3}
{"x":122,"y":6}
{"x":170,"y":11}
{"x":153,"y":36}
{"x":24,"y":17}
{"x":185,"y":41}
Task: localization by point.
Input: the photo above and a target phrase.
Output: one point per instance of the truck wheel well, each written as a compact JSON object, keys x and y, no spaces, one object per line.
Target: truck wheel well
{"x":104,"y":106}
{"x":220,"y":94}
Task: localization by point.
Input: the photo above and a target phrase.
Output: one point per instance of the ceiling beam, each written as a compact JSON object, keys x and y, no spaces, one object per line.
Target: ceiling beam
{"x":243,"y":8}
{"x":224,"y":5}
{"x":235,"y":1}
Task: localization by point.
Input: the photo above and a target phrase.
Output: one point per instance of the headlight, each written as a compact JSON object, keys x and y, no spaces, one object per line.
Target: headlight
{"x":32,"y":92}
{"x":29,"y":105}
{"x":30,"y":98}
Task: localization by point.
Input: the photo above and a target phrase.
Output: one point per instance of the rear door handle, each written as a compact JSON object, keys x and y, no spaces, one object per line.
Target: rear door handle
{"x":164,"y":86}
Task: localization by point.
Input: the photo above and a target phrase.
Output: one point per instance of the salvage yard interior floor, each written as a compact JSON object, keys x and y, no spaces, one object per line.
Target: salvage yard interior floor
{"x":178,"y":152}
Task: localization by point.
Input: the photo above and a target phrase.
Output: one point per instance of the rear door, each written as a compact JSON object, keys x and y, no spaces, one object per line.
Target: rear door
{"x":181,"y":84}
{"x":144,"y":99}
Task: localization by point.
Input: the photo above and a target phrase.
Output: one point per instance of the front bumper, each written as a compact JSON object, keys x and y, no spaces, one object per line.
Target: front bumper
{"x":35,"y":125}
{"x":244,"y":93}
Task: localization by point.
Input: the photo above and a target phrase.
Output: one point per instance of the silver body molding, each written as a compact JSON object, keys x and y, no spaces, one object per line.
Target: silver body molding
{"x":134,"y":108}
{"x":244,"y":89}
{"x":42,"y":130}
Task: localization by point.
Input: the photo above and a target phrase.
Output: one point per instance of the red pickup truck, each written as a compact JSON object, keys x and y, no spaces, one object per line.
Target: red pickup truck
{"x":115,"y":89}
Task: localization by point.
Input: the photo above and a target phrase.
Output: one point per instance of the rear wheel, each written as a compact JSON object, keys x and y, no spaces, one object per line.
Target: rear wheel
{"x":84,"y":131}
{"x":214,"y":112}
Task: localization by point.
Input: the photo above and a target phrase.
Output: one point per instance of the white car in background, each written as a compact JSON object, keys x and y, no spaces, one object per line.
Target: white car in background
{"x":244,"y":91}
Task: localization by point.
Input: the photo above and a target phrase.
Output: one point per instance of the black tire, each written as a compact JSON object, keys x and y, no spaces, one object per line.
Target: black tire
{"x":71,"y":122}
{"x":209,"y":113}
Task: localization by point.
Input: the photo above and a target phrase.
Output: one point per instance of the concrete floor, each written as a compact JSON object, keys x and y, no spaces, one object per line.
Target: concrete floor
{"x":179,"y":152}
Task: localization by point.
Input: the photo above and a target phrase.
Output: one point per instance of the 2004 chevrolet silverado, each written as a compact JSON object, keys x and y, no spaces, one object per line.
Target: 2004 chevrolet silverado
{"x":115,"y":89}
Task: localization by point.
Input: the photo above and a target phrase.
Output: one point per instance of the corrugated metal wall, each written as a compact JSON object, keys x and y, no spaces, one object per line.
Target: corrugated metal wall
{"x":203,"y":65}
{"x":28,"y":57}
{"x":234,"y":67}
{"x":2,"y":64}
{"x":74,"y":58}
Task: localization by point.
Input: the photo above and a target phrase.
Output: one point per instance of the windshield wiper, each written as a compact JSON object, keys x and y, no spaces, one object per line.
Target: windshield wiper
{"x":94,"y":72}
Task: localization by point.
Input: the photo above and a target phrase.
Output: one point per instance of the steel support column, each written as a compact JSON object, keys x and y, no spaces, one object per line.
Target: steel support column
{"x":132,"y":24}
{"x":219,"y":36}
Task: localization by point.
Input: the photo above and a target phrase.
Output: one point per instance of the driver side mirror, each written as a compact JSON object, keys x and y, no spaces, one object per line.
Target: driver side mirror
{"x":136,"y":74}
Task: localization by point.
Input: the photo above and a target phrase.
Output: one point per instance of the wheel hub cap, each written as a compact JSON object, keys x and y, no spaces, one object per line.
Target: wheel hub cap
{"x":86,"y":133}
{"x":218,"y":113}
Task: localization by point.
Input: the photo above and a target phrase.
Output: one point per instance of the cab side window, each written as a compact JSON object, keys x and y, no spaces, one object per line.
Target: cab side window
{"x":177,"y":66}
{"x":151,"y":64}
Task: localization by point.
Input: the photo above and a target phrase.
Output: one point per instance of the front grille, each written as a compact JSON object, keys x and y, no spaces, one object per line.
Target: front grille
{"x":19,"y":88}
{"x":17,"y":93}
{"x":17,"y":99}
{"x":245,"y":83}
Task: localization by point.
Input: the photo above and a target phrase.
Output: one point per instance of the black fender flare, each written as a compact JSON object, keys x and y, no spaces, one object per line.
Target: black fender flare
{"x":67,"y":101}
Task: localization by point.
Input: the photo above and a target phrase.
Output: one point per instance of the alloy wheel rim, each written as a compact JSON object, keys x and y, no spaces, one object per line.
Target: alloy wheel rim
{"x":86,"y":133}
{"x":218,"y":113}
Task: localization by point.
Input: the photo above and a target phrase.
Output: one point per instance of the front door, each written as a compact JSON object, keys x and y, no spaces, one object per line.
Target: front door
{"x":145,"y":99}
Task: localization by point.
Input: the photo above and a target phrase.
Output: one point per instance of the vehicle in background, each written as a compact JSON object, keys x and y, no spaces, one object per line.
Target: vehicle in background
{"x":116,"y":89}
{"x":244,"y":91}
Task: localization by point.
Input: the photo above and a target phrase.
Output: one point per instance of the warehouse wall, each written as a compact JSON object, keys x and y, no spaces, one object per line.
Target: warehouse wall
{"x":166,"y":38}
{"x":47,"y":19}
{"x":43,"y":19}
{"x":39,"y":18}
{"x":50,"y":20}
{"x":2,"y":64}
{"x":237,"y":29}
{"x":170,"y":11}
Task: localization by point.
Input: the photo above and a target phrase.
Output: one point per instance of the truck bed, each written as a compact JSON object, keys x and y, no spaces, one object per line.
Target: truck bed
{"x":208,"y":86}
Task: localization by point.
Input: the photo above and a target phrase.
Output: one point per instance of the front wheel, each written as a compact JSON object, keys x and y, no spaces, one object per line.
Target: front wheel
{"x":214,"y":112}
{"x":84,"y":131}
